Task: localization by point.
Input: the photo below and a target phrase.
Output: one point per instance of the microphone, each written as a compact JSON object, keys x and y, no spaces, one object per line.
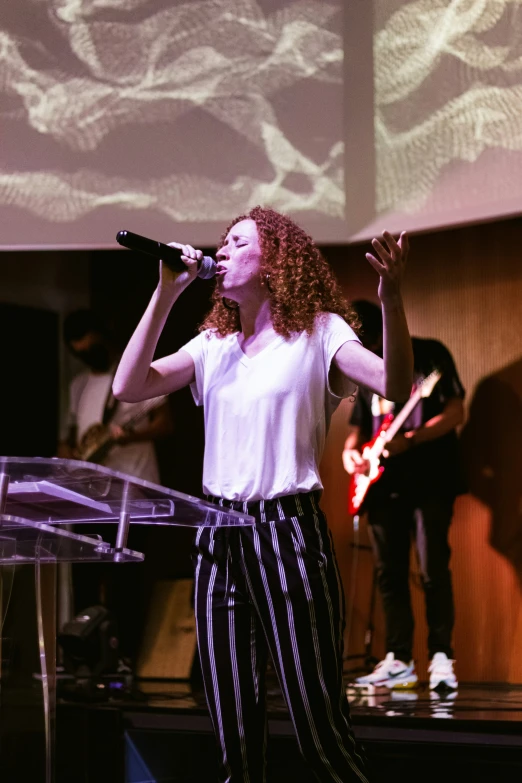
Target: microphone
{"x":170,"y":255}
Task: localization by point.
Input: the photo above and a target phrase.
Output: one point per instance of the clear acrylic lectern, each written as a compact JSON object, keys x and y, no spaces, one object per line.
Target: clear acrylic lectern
{"x":40,"y":502}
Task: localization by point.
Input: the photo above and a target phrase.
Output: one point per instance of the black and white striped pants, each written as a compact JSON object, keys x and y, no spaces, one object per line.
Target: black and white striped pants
{"x":274,"y":587}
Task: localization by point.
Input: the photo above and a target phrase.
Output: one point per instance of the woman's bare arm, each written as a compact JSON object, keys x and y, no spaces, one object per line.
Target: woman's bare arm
{"x":391,"y":376}
{"x":138,"y":377}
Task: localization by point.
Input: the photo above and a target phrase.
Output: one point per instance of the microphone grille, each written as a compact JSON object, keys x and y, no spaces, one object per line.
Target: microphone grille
{"x":207,"y":268}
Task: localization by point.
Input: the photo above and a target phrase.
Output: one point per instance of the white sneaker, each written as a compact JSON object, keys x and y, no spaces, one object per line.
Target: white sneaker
{"x":390,"y":673}
{"x":442,"y":674}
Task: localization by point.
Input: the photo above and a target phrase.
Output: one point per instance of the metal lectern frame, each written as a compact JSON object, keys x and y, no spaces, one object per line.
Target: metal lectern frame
{"x":40,"y":502}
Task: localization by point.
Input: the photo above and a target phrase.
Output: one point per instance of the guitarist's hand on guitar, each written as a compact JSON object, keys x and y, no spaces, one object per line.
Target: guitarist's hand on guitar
{"x":354,"y":462}
{"x":118,"y":434}
{"x":387,"y":442}
{"x":399,"y":444}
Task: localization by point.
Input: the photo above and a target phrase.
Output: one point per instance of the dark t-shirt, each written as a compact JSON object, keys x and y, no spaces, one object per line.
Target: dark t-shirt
{"x":428,"y":469}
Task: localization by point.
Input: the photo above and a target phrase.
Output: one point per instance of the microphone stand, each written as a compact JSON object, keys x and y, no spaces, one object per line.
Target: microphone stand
{"x":368,"y":660}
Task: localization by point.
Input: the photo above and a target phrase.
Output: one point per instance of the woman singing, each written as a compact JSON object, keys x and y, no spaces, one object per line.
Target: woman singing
{"x":274,"y":357}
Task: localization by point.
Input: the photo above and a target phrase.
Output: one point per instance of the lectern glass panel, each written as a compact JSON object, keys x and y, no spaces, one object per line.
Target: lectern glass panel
{"x":58,"y":491}
{"x":41,"y":502}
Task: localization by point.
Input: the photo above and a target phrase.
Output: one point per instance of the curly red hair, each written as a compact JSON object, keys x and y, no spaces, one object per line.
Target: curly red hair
{"x":301,"y":283}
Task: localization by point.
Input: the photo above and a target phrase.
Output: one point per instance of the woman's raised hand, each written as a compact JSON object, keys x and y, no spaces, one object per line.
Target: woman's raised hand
{"x":389,"y":263}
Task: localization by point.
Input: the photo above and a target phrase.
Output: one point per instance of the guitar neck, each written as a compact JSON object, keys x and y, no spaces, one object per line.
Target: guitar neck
{"x":385,"y":436}
{"x":136,"y":416}
{"x":403,"y":414}
{"x":104,"y":440}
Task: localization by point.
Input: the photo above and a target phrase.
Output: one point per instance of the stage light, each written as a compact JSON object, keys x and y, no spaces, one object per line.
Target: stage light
{"x":90,"y":643}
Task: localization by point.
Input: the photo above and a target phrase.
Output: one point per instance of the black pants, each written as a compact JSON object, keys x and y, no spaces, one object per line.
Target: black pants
{"x":392,"y":525}
{"x":274,"y":588}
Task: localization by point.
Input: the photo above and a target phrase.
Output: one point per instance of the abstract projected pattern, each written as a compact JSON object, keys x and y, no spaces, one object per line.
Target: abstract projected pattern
{"x":159,"y":116}
{"x":169,"y":118}
{"x":448,"y":119}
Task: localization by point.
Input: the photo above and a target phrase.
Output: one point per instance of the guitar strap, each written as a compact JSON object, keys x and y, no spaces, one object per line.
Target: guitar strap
{"x":111,"y":404}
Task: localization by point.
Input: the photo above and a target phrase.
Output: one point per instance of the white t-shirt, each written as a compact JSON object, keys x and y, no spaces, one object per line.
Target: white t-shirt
{"x":266,"y":417}
{"x":88,"y":395}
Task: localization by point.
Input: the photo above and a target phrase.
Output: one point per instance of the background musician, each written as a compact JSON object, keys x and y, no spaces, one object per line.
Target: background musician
{"x":93,"y":410}
{"x":415,"y":495}
{"x":125,"y":434}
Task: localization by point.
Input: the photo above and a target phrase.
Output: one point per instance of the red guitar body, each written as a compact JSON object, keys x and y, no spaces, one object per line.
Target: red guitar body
{"x":360,"y":483}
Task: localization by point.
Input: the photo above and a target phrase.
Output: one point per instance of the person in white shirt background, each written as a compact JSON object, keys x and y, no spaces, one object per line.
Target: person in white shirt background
{"x":91,"y":401}
{"x":273,"y":359}
{"x":132,"y":428}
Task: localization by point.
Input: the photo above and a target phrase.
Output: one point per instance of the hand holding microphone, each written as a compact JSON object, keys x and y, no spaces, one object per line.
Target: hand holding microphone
{"x":171,"y":255}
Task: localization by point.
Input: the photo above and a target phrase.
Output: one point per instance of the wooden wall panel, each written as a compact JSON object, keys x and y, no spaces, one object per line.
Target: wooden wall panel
{"x":464,"y":287}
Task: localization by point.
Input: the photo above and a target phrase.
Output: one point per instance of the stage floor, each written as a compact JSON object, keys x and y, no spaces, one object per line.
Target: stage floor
{"x":473,"y":707}
{"x":161,"y":731}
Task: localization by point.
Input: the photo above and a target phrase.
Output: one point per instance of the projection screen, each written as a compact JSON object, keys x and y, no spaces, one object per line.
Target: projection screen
{"x":170,"y":118}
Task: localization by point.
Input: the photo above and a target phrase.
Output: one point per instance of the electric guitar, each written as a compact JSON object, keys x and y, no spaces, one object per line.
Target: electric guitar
{"x":97,"y":441}
{"x":360,"y":483}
